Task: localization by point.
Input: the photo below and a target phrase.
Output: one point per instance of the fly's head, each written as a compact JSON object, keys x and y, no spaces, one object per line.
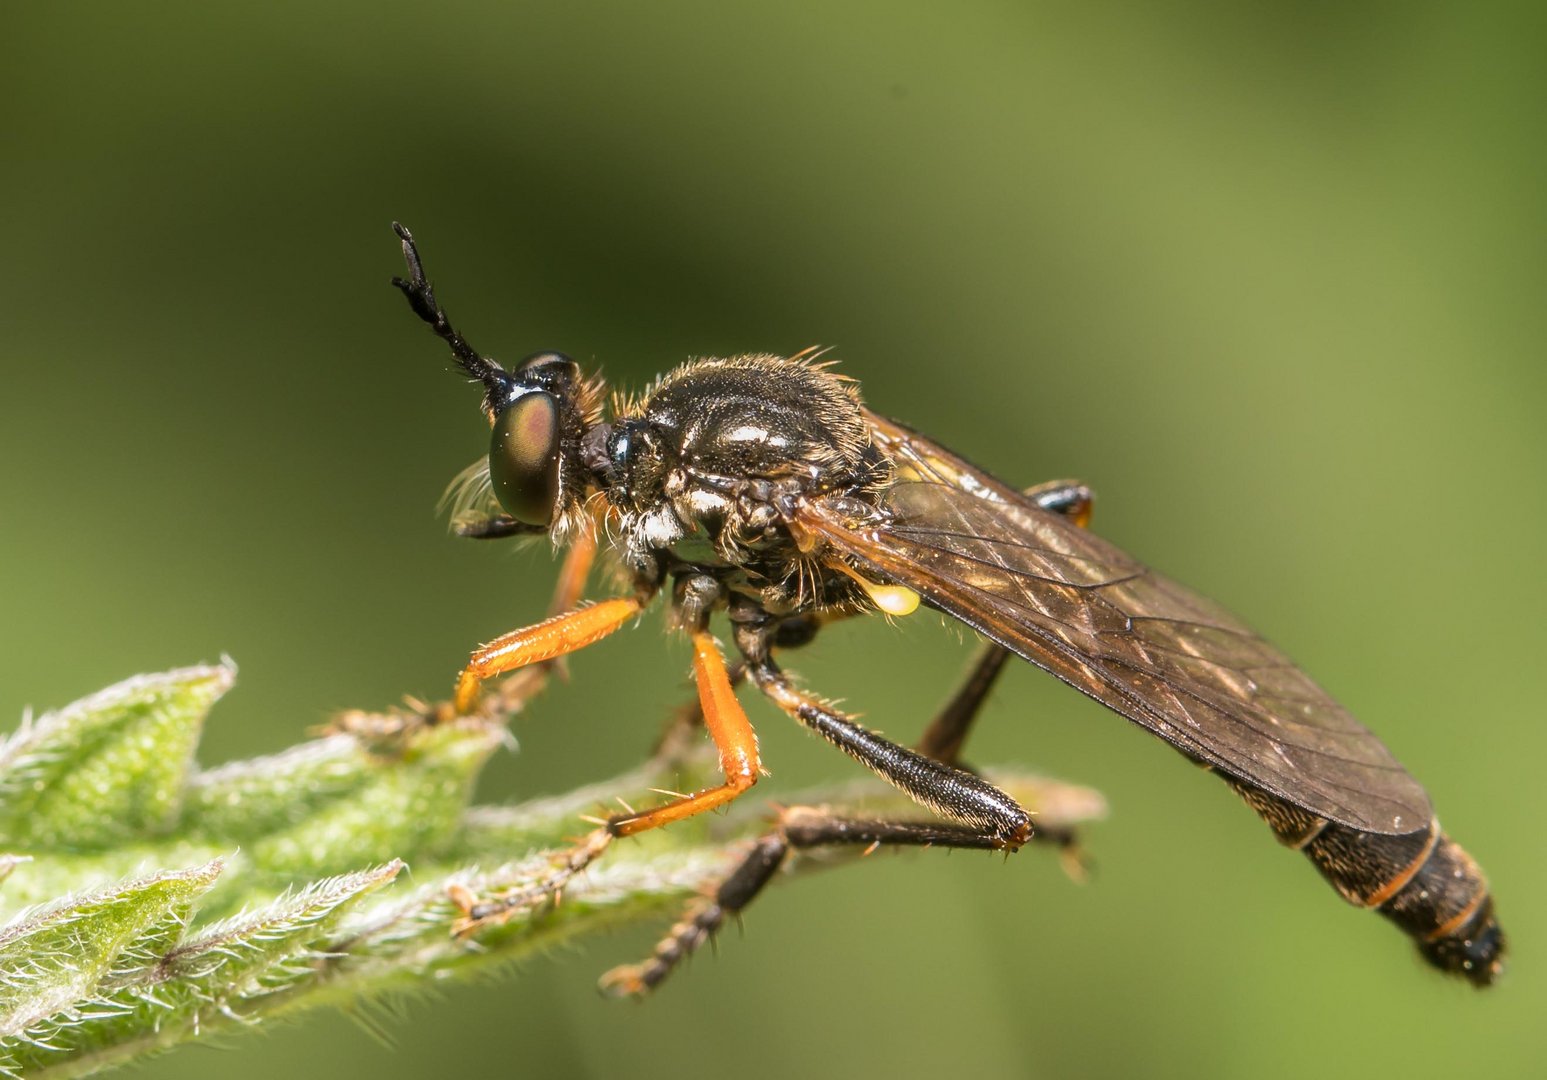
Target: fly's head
{"x":538,"y":414}
{"x":701,"y":472}
{"x":534,"y":479}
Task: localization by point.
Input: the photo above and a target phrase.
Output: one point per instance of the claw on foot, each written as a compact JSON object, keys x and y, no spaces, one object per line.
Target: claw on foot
{"x":625,"y":980}
{"x":481,"y":913}
{"x":1076,"y":864}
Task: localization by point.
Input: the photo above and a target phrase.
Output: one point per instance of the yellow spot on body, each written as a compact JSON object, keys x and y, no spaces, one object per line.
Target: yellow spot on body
{"x":895,"y":600}
{"x":898,"y":600}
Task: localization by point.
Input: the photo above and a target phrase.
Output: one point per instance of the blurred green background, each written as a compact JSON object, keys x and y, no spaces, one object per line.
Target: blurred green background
{"x":1269,"y":279}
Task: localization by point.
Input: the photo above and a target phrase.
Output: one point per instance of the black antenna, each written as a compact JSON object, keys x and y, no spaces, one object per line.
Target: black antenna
{"x":421,"y":297}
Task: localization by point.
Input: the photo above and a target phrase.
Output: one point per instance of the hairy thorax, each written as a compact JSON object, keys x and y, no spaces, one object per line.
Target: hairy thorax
{"x":704,"y":462}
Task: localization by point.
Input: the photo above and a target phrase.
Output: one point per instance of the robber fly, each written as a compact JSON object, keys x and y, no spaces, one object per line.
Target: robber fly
{"x":762,"y":487}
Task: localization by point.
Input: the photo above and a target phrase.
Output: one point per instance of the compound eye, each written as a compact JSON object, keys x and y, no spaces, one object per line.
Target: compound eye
{"x":524,"y":459}
{"x":549,"y":365}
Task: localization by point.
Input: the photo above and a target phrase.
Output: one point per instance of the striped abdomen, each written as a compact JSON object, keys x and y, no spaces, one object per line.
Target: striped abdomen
{"x":1423,"y":881}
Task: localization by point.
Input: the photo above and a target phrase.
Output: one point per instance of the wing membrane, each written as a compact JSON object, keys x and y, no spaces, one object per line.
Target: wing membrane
{"x":1143,"y":645}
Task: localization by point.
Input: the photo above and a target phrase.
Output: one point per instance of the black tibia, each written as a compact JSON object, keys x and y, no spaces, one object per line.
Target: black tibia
{"x":944,"y":737}
{"x":1423,"y":881}
{"x":952,"y":793}
{"x":810,"y":826}
{"x":799,"y":827}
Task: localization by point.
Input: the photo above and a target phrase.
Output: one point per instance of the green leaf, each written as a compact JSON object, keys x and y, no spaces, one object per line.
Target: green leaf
{"x":406,"y":803}
{"x":108,"y":768}
{"x":54,"y":959}
{"x":213,"y":979}
{"x":109,"y":956}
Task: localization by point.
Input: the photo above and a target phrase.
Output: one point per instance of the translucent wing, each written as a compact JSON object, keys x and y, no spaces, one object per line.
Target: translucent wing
{"x":1077,"y":606}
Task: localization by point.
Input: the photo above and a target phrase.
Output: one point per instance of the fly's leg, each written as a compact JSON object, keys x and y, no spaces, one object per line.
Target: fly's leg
{"x":531,"y":676}
{"x":1070,"y":498}
{"x":733,"y":736}
{"x":798,"y":828}
{"x":528,"y":681}
{"x":946,"y":734}
{"x":735,"y":891}
{"x":928,"y":776}
{"x":952,"y":793}
{"x":686,"y":722}
{"x":514,"y":692}
{"x":801,"y":827}
{"x":955,"y":794}
{"x":572,"y":575}
{"x":548,"y":640}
